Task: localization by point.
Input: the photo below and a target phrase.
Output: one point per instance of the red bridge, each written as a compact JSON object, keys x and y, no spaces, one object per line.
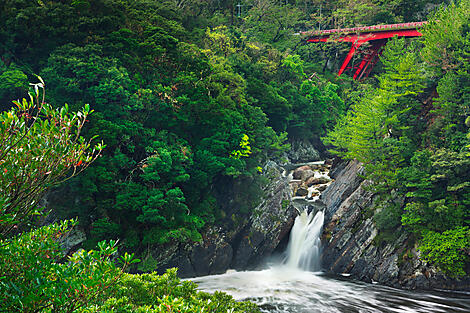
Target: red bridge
{"x":376,"y":35}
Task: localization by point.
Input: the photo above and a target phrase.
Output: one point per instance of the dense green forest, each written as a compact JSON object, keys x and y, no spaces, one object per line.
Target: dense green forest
{"x":187,"y":94}
{"x":180,"y":101}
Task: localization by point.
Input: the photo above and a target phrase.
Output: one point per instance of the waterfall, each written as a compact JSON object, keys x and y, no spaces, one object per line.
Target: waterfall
{"x":303,"y":251}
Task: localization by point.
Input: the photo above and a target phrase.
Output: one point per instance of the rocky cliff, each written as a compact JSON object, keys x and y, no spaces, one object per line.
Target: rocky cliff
{"x":350,"y":245}
{"x":246,"y":237}
{"x":240,"y":241}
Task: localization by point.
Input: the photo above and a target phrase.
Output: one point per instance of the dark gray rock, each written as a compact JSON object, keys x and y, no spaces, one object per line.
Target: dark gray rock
{"x":74,"y":238}
{"x":242,"y":242}
{"x":303,"y":151}
{"x":349,"y":245}
{"x":301,"y":192}
{"x":269,"y":223}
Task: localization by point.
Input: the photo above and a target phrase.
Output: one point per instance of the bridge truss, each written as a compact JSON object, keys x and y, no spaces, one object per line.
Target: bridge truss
{"x":377,"y":36}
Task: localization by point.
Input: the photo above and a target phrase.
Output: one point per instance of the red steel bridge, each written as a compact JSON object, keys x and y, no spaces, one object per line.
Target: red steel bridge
{"x":376,"y":36}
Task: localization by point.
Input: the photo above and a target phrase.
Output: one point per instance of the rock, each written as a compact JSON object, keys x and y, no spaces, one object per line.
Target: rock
{"x":269,"y":225}
{"x":298,"y":172}
{"x":306,"y":175}
{"x":239,"y":241}
{"x":302,"y":151}
{"x":314,"y":194}
{"x":349,"y":239}
{"x":302,"y":192}
{"x":72,"y":240}
{"x":317,"y":181}
{"x":322,"y":188}
{"x":316,"y":167}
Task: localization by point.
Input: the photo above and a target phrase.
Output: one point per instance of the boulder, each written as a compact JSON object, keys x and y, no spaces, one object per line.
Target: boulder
{"x":350,"y":244}
{"x":298,"y":172}
{"x":302,"y":192}
{"x":73,"y":240}
{"x":302,"y":151}
{"x":317,"y":181}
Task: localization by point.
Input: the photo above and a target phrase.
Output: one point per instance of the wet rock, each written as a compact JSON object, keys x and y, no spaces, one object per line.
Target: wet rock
{"x":316,"y":167}
{"x":322,"y":188}
{"x":268,"y":225}
{"x":239,"y":242}
{"x":301,"y":192}
{"x":350,"y":245}
{"x":305,"y":175}
{"x":317,"y":181}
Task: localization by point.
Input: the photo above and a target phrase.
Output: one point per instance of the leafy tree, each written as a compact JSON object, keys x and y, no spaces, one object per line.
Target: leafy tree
{"x":39,"y":145}
{"x":35,"y":275}
{"x":32,"y":279}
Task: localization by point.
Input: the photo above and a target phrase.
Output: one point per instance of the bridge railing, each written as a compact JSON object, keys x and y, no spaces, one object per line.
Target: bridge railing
{"x":365,"y":29}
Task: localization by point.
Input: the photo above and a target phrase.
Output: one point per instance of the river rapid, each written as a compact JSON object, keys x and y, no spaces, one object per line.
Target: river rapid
{"x":283,"y":289}
{"x":296,"y":285}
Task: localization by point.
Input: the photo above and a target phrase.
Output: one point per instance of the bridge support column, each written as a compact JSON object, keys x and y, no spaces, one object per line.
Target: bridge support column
{"x":370,"y":58}
{"x":355,"y":45}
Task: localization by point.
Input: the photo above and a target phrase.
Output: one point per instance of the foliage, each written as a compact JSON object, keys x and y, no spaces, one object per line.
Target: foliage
{"x":417,"y":149}
{"x":448,"y":249}
{"x":35,"y":275}
{"x":38,"y":146}
{"x":192,"y":93}
{"x":32,"y":280}
{"x":175,"y":95}
{"x":165,"y":293}
{"x":245,"y":149}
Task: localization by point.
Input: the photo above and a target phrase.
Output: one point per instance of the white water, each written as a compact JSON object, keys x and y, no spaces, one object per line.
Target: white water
{"x":303,"y":251}
{"x":292,"y":287}
{"x":296,"y":285}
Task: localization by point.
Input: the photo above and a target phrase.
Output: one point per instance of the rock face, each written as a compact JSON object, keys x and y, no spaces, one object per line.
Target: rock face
{"x":303,"y":151}
{"x":241,"y":242}
{"x":349,"y":233}
{"x":73,"y":240}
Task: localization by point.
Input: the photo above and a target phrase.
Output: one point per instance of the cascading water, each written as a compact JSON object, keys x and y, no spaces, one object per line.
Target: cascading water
{"x":303,"y":251}
{"x":296,"y":286}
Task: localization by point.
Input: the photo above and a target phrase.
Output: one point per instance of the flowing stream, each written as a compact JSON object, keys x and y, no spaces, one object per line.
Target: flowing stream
{"x":296,"y":285}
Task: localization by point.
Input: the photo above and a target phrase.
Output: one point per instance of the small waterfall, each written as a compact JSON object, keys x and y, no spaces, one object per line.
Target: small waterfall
{"x":303,"y":251}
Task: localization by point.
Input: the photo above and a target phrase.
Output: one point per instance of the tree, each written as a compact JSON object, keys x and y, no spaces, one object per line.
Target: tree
{"x":39,"y":146}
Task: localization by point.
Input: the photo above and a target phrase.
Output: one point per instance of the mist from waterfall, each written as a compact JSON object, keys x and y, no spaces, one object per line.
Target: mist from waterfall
{"x":297,"y":285}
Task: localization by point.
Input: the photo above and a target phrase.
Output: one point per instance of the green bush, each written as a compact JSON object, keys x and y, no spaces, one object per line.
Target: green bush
{"x":166,"y":293}
{"x":448,"y":250}
{"x":33,"y":280}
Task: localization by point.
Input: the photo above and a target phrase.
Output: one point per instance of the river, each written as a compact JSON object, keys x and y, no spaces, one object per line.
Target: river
{"x":296,"y":285}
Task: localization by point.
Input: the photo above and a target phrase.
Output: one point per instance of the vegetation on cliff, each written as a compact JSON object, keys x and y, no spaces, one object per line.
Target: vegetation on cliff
{"x":41,"y":146}
{"x":175,"y":94}
{"x":411,"y":131}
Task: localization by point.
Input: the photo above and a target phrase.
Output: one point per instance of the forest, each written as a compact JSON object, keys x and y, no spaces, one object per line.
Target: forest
{"x":136,"y":109}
